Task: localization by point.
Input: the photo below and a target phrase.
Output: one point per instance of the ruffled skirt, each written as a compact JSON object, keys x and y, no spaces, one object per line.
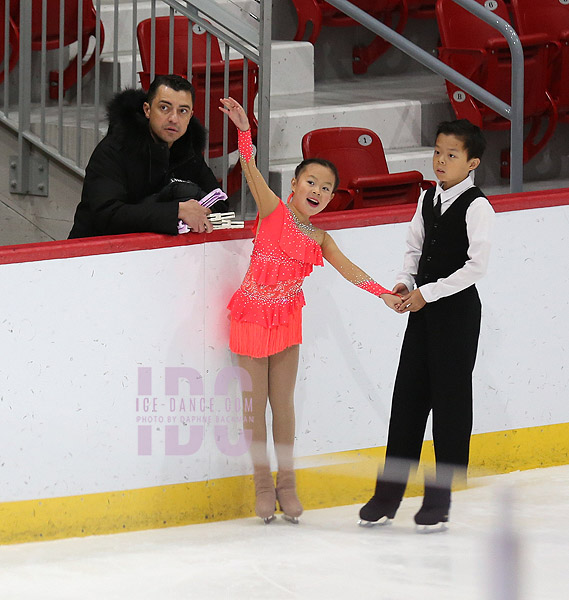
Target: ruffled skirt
{"x":251,"y":339}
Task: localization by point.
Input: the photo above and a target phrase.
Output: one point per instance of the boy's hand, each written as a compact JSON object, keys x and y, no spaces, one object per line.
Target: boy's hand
{"x":235,"y":112}
{"x":400,"y":288}
{"x":412,"y":302}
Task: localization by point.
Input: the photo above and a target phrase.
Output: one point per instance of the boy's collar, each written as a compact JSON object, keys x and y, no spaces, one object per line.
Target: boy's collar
{"x":455,"y":189}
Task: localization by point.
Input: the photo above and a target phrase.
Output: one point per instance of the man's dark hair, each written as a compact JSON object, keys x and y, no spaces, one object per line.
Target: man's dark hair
{"x":470,"y":135}
{"x":174,"y":82}
{"x":322,"y":162}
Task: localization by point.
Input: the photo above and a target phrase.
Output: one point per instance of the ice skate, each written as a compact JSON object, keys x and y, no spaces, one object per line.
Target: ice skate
{"x":265,"y":495}
{"x":381,"y":508}
{"x":431,"y":520}
{"x":378,"y":511}
{"x":286,"y":495}
{"x":433,"y":514}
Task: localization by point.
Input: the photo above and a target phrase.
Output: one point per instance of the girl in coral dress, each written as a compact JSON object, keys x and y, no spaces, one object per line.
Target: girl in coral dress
{"x":266,"y":311}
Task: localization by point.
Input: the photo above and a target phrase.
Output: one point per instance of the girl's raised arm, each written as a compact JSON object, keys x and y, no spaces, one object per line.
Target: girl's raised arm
{"x":265,"y":198}
{"x":354,"y":274}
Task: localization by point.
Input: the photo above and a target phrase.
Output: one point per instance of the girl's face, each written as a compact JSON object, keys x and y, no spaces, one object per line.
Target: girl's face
{"x":312,"y":190}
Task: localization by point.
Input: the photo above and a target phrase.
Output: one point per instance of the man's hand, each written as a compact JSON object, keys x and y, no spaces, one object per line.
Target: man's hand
{"x":194,"y":216}
{"x":412,"y":302}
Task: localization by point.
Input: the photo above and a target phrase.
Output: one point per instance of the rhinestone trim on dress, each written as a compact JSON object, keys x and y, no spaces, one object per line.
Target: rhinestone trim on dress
{"x":304,"y":227}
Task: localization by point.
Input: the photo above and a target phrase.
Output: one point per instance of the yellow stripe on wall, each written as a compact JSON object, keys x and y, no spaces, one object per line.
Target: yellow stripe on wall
{"x":329,"y":480}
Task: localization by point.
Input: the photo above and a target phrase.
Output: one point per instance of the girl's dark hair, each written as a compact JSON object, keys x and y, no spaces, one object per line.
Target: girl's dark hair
{"x":175,"y":82}
{"x":470,"y":135}
{"x":322,"y":162}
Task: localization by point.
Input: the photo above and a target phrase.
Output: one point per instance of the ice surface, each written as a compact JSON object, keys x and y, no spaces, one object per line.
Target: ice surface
{"x":326,"y":556}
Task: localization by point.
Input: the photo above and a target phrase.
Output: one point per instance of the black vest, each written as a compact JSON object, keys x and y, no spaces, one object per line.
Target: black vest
{"x":445,"y":247}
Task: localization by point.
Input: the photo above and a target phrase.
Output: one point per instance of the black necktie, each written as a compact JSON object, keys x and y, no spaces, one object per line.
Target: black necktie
{"x":437,"y":207}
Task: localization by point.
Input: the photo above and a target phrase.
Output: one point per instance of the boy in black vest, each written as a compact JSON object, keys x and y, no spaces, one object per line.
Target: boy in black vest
{"x":448,"y":245}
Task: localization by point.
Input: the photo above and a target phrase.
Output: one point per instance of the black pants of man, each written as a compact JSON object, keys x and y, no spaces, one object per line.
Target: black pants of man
{"x":434,"y":374}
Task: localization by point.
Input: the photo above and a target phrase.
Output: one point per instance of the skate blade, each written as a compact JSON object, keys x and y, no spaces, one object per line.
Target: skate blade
{"x":437,"y":528}
{"x":383,"y":522}
{"x":290,"y":519}
{"x":268,"y":520}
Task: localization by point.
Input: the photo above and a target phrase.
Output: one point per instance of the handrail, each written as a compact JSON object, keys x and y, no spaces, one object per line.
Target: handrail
{"x":239,"y":28}
{"x":513,"y":112}
{"x":243,"y":38}
{"x":254,"y":45}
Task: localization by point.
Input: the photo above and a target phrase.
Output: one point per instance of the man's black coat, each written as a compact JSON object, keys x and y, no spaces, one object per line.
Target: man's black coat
{"x":126,"y":187}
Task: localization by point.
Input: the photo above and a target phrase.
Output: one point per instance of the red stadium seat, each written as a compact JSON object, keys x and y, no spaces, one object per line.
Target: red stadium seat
{"x":13,"y":41}
{"x":319,"y":13}
{"x":550,"y":17}
{"x":70,"y":35}
{"x":365,"y":180}
{"x":421,"y":9}
{"x":198,"y":75}
{"x":479,"y":52}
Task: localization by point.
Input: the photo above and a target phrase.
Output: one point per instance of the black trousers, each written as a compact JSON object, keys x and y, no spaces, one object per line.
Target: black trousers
{"x":435,"y":374}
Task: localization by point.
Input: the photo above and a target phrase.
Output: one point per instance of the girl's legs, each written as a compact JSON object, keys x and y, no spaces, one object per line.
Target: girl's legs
{"x":265,"y":495}
{"x":273,"y":377}
{"x":283,"y":368}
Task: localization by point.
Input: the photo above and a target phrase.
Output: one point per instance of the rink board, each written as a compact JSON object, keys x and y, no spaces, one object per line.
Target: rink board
{"x":120,"y":405}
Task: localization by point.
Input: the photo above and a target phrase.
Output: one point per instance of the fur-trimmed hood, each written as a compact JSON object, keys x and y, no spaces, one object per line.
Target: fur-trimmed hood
{"x":129,"y":125}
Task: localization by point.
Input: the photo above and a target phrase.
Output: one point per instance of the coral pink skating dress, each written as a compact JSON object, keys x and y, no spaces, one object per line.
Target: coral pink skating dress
{"x":266,"y":311}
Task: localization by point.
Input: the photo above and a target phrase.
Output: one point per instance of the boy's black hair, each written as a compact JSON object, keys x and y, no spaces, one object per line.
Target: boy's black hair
{"x":175,"y":82}
{"x":470,"y":135}
{"x":322,"y":162}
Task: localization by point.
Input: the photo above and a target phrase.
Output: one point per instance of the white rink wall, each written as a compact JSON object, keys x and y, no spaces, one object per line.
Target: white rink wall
{"x":90,"y":349}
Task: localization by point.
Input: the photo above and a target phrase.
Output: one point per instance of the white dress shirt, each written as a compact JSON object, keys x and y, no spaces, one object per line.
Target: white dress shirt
{"x":479,"y":227}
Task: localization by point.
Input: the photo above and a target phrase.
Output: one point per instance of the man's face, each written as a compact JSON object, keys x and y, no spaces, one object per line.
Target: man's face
{"x":169,"y":114}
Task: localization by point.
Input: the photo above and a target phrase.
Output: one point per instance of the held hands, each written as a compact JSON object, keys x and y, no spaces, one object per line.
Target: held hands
{"x":194,"y":216}
{"x":412,"y":302}
{"x":392,"y":301}
{"x":235,"y":112}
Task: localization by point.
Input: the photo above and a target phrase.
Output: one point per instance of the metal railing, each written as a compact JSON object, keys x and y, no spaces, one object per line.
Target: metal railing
{"x":65,"y":125}
{"x":65,"y":122}
{"x":513,"y":112}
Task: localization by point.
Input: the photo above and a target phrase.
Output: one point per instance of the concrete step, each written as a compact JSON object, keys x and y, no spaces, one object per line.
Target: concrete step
{"x":292,"y":68}
{"x":241,"y":9}
{"x":126,"y":35}
{"x":403,"y":111}
{"x":398,"y":123}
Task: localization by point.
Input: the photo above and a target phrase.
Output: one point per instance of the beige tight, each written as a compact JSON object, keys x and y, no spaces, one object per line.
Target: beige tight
{"x":273,"y":378}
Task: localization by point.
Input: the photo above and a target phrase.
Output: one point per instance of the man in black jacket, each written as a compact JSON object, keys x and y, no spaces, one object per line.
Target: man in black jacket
{"x":140,"y":174}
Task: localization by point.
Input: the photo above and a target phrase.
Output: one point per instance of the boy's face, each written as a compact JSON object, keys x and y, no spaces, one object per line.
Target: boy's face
{"x":450,"y":161}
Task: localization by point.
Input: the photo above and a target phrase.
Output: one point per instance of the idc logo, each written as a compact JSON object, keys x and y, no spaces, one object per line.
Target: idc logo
{"x":176,"y":423}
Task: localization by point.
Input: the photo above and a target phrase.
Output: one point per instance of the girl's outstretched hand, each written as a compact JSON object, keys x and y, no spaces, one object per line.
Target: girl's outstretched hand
{"x":235,"y":112}
{"x":392,"y":300}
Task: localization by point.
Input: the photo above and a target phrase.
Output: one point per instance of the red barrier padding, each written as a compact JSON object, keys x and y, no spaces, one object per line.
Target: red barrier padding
{"x":364,"y":217}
